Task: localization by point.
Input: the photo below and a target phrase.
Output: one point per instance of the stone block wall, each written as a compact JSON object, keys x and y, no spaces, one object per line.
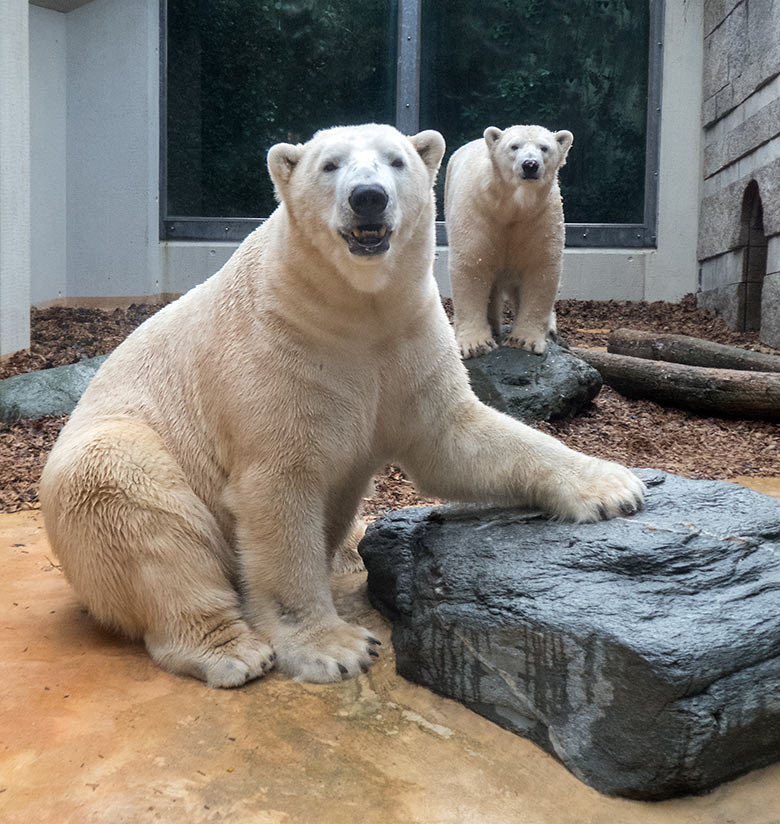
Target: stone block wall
{"x":739,"y":228}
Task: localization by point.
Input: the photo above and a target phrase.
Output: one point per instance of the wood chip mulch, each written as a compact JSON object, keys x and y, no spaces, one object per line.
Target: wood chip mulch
{"x":633,"y":432}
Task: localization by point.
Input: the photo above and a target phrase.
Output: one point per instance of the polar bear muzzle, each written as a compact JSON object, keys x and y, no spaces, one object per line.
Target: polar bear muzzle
{"x":530,"y":169}
{"x":372,"y":237}
{"x":368,"y":200}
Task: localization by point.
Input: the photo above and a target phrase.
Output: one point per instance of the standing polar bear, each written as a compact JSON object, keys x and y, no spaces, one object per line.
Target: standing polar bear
{"x":201,"y":488}
{"x":506,"y":234}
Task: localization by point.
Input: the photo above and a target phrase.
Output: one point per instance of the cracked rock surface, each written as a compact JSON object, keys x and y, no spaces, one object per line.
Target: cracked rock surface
{"x":643,"y":652}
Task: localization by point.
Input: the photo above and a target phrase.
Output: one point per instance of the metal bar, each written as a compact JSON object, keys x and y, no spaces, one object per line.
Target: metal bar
{"x":163,"y":115}
{"x":588,"y":235}
{"x":407,"y":104}
{"x":210,"y":229}
{"x":653,"y":139}
{"x":608,"y":235}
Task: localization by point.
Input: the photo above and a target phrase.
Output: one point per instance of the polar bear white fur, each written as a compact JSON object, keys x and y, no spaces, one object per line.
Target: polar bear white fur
{"x":506,"y":235}
{"x":200,"y":489}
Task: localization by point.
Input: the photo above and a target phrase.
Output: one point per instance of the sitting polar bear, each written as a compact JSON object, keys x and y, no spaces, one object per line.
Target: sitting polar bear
{"x":506,"y":235}
{"x":216,"y":462}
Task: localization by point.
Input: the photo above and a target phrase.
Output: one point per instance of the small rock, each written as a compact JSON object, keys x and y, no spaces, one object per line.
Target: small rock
{"x":533,"y":387}
{"x":643,"y":652}
{"x":46,"y":392}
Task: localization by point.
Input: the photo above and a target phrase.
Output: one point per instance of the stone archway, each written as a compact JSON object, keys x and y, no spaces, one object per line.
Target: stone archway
{"x":754,"y":258}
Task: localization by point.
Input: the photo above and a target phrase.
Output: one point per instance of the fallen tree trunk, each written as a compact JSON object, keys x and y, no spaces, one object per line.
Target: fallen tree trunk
{"x":724,"y":392}
{"x":693,"y":351}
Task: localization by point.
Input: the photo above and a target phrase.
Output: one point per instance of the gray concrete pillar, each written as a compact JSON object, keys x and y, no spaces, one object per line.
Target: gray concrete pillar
{"x":14,"y":177}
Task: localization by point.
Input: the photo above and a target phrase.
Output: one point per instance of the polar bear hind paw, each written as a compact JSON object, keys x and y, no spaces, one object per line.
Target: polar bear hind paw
{"x":347,"y":558}
{"x":229,"y":656}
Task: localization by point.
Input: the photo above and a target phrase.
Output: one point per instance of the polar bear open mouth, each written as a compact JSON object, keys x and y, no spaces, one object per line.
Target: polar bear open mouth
{"x":368,"y":239}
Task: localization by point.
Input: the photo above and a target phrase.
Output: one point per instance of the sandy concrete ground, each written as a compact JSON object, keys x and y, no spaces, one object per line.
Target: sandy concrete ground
{"x":91,"y":731}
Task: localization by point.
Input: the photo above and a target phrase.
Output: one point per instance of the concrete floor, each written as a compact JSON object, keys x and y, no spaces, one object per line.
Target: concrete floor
{"x":91,"y":731}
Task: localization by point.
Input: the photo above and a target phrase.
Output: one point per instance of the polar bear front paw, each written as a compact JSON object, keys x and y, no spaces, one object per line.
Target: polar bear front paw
{"x":474,"y":346}
{"x":332,"y":652}
{"x":597,"y":491}
{"x":531,"y":343}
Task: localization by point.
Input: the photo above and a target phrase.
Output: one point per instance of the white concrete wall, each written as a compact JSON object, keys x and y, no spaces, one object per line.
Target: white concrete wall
{"x":14,"y":177}
{"x":184,"y":264}
{"x":112,"y":148}
{"x":672,"y":271}
{"x":48,"y":202}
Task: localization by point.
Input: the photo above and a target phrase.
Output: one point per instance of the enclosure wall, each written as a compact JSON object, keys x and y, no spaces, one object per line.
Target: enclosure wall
{"x":113,"y":253}
{"x":14,"y":177}
{"x":741,"y":119}
{"x":48,"y":201}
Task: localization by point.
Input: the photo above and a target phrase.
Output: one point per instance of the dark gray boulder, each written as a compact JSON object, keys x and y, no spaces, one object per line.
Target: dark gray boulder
{"x":643,"y":652}
{"x":533,"y":387}
{"x":46,"y":392}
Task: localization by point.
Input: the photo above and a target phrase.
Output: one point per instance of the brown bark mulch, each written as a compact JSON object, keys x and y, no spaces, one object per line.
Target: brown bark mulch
{"x":636,"y":433}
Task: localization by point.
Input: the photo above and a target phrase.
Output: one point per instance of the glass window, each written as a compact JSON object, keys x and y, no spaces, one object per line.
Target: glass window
{"x":579,"y":65}
{"x":241,"y":75}
{"x":245,"y":74}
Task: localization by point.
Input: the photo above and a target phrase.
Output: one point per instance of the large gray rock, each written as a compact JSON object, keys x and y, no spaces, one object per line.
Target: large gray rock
{"x":46,"y":392}
{"x":643,"y":652}
{"x":534,"y":387}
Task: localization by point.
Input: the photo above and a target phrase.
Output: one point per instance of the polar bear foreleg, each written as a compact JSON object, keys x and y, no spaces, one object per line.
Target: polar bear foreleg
{"x":286,"y":562}
{"x":473,"y":453}
{"x":472,"y":293}
{"x":535,"y":291}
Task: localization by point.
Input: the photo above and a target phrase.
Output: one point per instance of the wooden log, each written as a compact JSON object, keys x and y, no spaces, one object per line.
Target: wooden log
{"x":724,"y":392}
{"x":685,"y":349}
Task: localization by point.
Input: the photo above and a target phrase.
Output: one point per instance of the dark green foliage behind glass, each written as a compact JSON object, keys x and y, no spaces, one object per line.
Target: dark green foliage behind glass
{"x":245,"y":74}
{"x":564,"y":64}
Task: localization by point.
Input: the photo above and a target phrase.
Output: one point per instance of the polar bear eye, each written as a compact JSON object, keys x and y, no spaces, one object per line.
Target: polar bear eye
{"x":330,"y":166}
{"x":545,"y":149}
{"x":398,"y":163}
{"x":514,"y":147}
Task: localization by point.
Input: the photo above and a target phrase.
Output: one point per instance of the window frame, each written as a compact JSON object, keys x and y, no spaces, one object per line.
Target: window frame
{"x":578,"y":235}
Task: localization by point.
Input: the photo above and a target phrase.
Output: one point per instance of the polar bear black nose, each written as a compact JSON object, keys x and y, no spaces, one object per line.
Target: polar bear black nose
{"x":531,"y":167}
{"x":368,"y":200}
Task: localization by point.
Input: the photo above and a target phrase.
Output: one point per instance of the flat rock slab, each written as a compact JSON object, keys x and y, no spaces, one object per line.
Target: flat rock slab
{"x":643,"y":652}
{"x":46,"y":392}
{"x":533,"y":387}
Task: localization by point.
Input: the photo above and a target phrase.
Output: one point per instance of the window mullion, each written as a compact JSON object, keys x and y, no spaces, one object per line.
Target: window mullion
{"x":407,"y":107}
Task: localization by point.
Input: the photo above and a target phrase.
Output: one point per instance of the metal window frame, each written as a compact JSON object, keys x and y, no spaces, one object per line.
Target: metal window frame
{"x":589,"y":235}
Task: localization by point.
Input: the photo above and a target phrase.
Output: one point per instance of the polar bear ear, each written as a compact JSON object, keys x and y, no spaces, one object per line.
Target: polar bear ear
{"x":430,"y":146}
{"x":282,"y":160}
{"x":564,"y":140}
{"x":492,"y":135}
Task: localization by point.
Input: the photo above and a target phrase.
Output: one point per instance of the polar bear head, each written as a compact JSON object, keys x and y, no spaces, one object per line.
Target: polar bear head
{"x":360,"y":194}
{"x":527,"y":153}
